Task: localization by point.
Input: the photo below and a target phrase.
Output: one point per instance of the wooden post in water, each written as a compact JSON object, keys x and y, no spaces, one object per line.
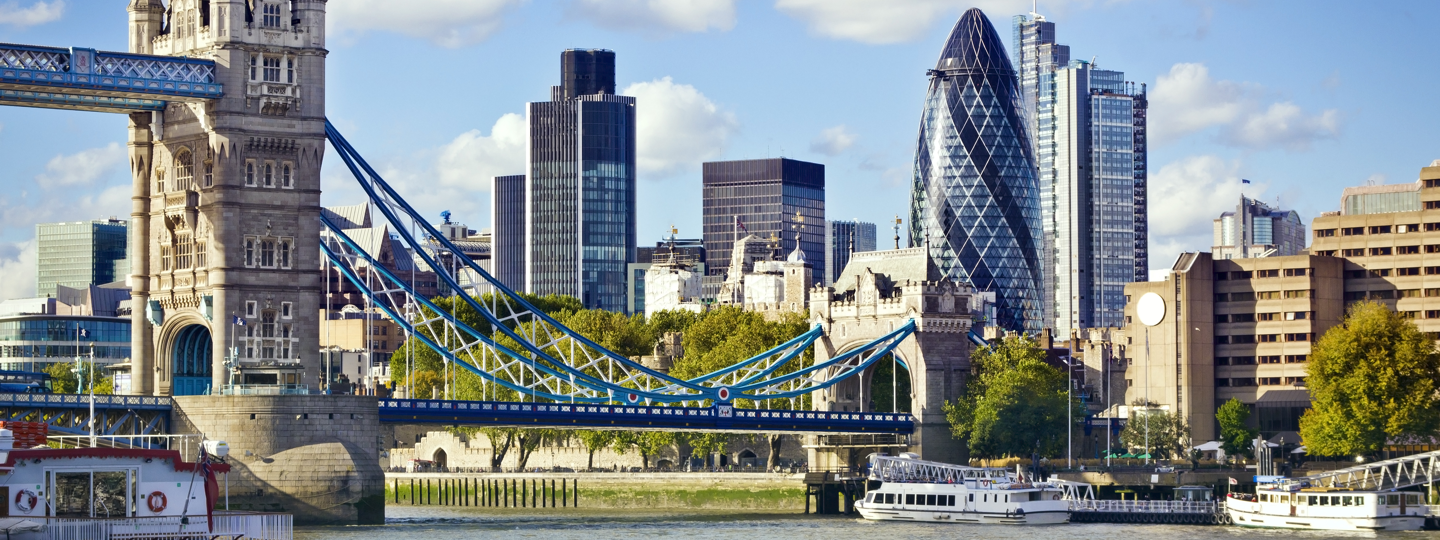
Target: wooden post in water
{"x":564,"y":493}
{"x":412,"y":491}
{"x":397,"y":490}
{"x":577,"y":493}
{"x":552,"y":493}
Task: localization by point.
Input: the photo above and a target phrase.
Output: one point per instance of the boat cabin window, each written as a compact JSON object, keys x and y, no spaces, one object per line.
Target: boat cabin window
{"x":889,"y":498}
{"x":909,"y":498}
{"x":972,"y":497}
{"x":1345,"y":500}
{"x":1391,"y":500}
{"x":1412,"y":499}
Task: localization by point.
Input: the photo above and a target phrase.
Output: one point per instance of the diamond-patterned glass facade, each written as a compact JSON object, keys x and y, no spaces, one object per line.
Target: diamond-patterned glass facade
{"x":975,"y":199}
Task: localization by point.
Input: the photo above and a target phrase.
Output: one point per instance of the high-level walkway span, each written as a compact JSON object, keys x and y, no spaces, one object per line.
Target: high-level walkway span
{"x":102,"y":81}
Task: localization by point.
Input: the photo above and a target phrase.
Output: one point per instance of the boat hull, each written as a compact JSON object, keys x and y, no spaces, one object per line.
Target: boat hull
{"x":1244,"y":515}
{"x":885,"y":513}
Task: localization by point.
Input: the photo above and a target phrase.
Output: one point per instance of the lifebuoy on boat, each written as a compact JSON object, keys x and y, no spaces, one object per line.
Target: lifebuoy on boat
{"x":1055,"y":497}
{"x":26,"y":500}
{"x":156,"y":501}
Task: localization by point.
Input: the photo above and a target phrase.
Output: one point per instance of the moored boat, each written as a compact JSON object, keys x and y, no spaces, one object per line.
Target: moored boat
{"x":1296,"y":507}
{"x":916,"y":490}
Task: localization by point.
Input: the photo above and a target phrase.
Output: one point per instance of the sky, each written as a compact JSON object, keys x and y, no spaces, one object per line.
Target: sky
{"x":1302,"y":98}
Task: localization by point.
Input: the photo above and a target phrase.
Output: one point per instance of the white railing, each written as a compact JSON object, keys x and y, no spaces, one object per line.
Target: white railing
{"x":1145,"y":507}
{"x":186,"y":443}
{"x":232,"y":525}
{"x":903,"y":470}
{"x":1385,"y":475}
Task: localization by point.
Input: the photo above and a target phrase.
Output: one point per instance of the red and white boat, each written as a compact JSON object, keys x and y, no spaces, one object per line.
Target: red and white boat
{"x":104,"y":493}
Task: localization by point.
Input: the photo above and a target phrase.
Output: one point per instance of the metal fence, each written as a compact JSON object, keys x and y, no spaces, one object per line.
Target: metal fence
{"x":1145,"y":507}
{"x":233,"y":525}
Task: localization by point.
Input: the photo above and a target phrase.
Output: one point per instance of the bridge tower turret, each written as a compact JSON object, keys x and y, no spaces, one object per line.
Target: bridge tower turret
{"x":227,"y":198}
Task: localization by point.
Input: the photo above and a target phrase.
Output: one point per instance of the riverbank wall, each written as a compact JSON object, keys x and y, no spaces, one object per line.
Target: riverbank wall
{"x":752,"y":492}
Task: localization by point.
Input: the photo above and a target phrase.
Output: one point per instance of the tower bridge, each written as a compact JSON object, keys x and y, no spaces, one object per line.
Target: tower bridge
{"x":227,"y":132}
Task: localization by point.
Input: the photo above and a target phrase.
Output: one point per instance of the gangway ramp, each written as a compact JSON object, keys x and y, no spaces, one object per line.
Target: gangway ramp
{"x":1388,"y":475}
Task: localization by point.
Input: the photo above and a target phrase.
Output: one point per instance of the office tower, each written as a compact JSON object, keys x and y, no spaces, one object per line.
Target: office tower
{"x":1089,"y":129}
{"x":772,"y":199}
{"x":80,"y":253}
{"x":843,"y":238}
{"x":507,"y":230}
{"x":580,"y":185}
{"x":974,"y":202}
{"x":1255,"y":229}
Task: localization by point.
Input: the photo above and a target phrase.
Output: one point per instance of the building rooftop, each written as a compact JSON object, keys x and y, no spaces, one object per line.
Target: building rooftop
{"x":898,"y":265}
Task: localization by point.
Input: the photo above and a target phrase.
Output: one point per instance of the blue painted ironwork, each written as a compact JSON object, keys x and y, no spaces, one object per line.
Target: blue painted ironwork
{"x":87,"y":79}
{"x":70,"y":413}
{"x":190,"y":362}
{"x":581,"y":415}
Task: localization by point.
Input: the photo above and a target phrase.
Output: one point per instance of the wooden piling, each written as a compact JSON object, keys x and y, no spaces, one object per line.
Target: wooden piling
{"x":552,"y":493}
{"x":564,"y":493}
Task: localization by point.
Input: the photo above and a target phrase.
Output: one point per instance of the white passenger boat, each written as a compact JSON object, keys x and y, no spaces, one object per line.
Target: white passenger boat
{"x":915,"y":490}
{"x":1295,"y":507}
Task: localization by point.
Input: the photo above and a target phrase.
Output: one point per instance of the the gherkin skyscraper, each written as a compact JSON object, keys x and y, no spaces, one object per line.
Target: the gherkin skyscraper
{"x":975,"y":200}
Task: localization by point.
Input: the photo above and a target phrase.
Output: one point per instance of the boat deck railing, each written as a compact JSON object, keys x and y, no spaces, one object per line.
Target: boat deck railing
{"x":227,"y":525}
{"x":1145,"y":507}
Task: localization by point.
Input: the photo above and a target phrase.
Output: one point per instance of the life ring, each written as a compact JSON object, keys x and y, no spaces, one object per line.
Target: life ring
{"x":26,"y":500}
{"x":1055,"y":497}
{"x":156,"y":501}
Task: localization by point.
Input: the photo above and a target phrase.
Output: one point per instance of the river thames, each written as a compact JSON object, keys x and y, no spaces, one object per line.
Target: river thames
{"x":452,"y":524}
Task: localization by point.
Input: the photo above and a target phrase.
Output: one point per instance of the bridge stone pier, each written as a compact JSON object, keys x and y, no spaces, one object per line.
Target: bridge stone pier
{"x":226,"y":201}
{"x":876,"y":293}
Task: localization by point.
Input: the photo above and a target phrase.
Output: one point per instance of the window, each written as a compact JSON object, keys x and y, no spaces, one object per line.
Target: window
{"x":253,"y":61}
{"x":1352,"y":231}
{"x":182,"y":250}
{"x":1432,"y":205}
{"x":1242,"y":360}
{"x":1270,"y":381}
{"x":267,"y":324}
{"x":1268,"y":338}
{"x":1266,"y":316}
{"x":290,"y":70}
{"x":1242,"y":381}
{"x":1432,"y":270}
{"x":1272,"y":359}
{"x":267,"y":252}
{"x":1267,"y":273}
{"x":1430,"y":293}
{"x":1409,"y":314}
{"x":1432,"y":314}
{"x":1380,"y":251}
{"x":1221,"y":276}
{"x":1410,"y":293}
{"x":1297,"y":315}
{"x":285,"y":253}
{"x":209,"y":172}
{"x":1303,"y":336}
{"x":184,"y":172}
{"x":269,"y":174}
{"x":272,"y":15}
{"x":1296,"y":272}
{"x":250,"y":173}
{"x":1324,"y":233}
{"x":1353,"y":296}
{"x":1222,"y":318}
{"x":1355,"y":274}
{"x":1411,"y":271}
{"x":250,"y":252}
{"x":272,"y":68}
{"x":1222,"y":382}
{"x":1304,"y":293}
{"x":1243,"y":339}
{"x":1326,"y":253}
{"x":1295,"y":381}
{"x":1242,"y":297}
{"x":164,"y":257}
{"x":1242,"y":317}
{"x":1267,"y":295}
{"x":199,"y":253}
{"x":1295,"y":358}
{"x":1244,"y":274}
{"x":1407,"y":250}
{"x":1352,"y":253}
{"x":285,"y":176}
{"x":1430,"y":183}
{"x":250,"y":309}
{"x":1222,"y":360}
{"x":1222,"y":297}
{"x":285,"y":310}
{"x":1382,"y":295}
{"x":1222,"y":340}
{"x":1380,"y":229}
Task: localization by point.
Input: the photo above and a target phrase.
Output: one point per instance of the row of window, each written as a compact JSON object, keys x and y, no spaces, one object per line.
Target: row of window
{"x":1376,"y":229}
{"x":183,"y":252}
{"x":913,"y":499}
{"x":1263,"y":338}
{"x":269,"y":174}
{"x":1260,"y":381}
{"x":1275,"y":272}
{"x":1252,"y":360}
{"x":1341,"y":500}
{"x":1356,"y":296}
{"x":268,"y":252}
{"x":1253,"y":317}
{"x":184,"y":177}
{"x":1261,"y":295}
{"x":268,"y":68}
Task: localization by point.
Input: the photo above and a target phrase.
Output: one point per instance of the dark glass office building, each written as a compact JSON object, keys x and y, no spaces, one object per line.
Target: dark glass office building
{"x":80,"y":253}
{"x":843,"y":238}
{"x":507,"y":233}
{"x":767,"y":198}
{"x":580,"y":185}
{"x":975,"y":201}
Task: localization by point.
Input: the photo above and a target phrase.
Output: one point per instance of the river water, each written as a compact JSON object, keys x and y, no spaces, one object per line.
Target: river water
{"x":431,"y":523}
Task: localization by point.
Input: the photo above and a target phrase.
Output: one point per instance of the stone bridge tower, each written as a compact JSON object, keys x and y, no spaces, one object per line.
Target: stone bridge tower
{"x":876,"y":293}
{"x":227,"y":198}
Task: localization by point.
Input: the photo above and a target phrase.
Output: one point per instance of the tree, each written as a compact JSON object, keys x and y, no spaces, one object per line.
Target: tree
{"x":1161,"y":434}
{"x":704,"y":445}
{"x":594,"y":440}
{"x":1372,"y":378}
{"x":65,"y":380}
{"x":529,"y":440}
{"x":1235,"y":436}
{"x":501,"y":440}
{"x":1014,"y":404}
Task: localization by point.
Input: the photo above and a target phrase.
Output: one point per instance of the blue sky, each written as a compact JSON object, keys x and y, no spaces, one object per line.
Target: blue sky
{"x":1302,"y":98}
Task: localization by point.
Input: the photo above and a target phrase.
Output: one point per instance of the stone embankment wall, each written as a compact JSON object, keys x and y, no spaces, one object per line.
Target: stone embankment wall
{"x":460,"y":453}
{"x":750,"y":492}
{"x":316,"y":457}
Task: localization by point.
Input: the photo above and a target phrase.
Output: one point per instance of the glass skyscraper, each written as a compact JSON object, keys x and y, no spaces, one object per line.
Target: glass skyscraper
{"x":974,"y":203}
{"x":1089,"y":126}
{"x":843,"y":238}
{"x":80,"y":253}
{"x":507,"y":232}
{"x":767,"y":198}
{"x":580,"y":185}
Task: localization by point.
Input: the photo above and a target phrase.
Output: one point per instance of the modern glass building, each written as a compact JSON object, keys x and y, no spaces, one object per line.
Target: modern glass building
{"x":843,"y":238}
{"x":770,"y":198}
{"x":580,"y":185}
{"x":80,"y":253}
{"x":1256,"y":229}
{"x":507,"y":232}
{"x":975,"y":201}
{"x":1089,"y":128}
{"x":32,"y":342}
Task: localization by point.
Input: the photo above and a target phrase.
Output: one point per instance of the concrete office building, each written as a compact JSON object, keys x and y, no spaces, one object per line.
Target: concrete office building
{"x":1254,"y":229}
{"x":771,"y":199}
{"x":841,"y":239}
{"x":80,"y":253}
{"x":507,"y":230}
{"x":580,"y":185}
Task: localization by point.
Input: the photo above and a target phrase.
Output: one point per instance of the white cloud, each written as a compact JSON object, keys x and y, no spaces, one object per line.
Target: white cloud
{"x":38,"y":13}
{"x":472,"y":159}
{"x":448,"y":23}
{"x":18,"y":265}
{"x":892,"y":21}
{"x":677,"y":126}
{"x":1185,"y":198}
{"x":833,"y":141}
{"x":657,"y":16}
{"x":82,"y":168}
{"x":1188,"y":100}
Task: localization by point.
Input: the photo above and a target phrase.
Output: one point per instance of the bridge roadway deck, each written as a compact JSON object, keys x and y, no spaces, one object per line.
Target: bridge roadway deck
{"x":722,"y":418}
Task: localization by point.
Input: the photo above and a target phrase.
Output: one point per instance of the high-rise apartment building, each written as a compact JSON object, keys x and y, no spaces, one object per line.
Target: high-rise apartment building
{"x":1089,"y":129}
{"x":775,"y":199}
{"x":1255,"y":229}
{"x":80,"y":253}
{"x":843,"y":238}
{"x":507,"y":231}
{"x":975,"y":201}
{"x":580,"y":185}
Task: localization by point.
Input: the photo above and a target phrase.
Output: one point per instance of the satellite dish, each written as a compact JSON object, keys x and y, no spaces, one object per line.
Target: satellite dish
{"x":1151,"y":309}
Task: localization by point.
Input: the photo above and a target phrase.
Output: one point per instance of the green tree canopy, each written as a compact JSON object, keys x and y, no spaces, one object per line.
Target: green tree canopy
{"x":1161,"y":434}
{"x":1014,"y":403}
{"x":1371,"y":378}
{"x":1235,"y":435}
{"x":65,"y":380}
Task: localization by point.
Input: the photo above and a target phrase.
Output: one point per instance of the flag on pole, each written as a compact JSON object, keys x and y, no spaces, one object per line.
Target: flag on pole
{"x":84,"y":333}
{"x":238,"y":321}
{"x":1244,"y":181}
{"x":1234,"y":482}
